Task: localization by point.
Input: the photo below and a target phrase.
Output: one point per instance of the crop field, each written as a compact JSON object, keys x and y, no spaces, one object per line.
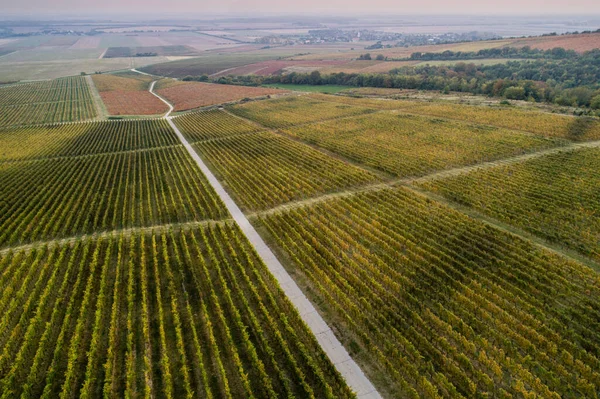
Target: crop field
{"x":126,"y":81}
{"x":442,"y":305}
{"x":291,"y":111}
{"x":59,"y":100}
{"x":127,"y":94}
{"x":196,"y":94}
{"x":173,"y":50}
{"x":213,"y":124}
{"x":132,"y":103}
{"x":555,"y":196}
{"x":409,"y":145}
{"x":331,"y":89}
{"x":579,"y":43}
{"x":267,"y":68}
{"x":205,"y":65}
{"x":545,"y":124}
{"x":74,"y":139}
{"x":375,"y":103}
{"x":191,"y":313}
{"x":78,"y":195}
{"x":265,"y":169}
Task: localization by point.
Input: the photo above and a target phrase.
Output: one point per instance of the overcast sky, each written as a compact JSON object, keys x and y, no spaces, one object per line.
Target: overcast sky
{"x":304,"y":6}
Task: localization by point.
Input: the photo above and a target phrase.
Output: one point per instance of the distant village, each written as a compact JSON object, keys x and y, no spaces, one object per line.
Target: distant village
{"x":391,"y":39}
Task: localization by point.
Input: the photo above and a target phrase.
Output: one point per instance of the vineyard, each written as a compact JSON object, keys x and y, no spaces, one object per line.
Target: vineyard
{"x":555,"y":196}
{"x":59,"y":100}
{"x":289,"y":111}
{"x":196,"y":94}
{"x":545,"y":124}
{"x":191,"y":313}
{"x":408,"y":145}
{"x":71,"y":196}
{"x":375,"y":103}
{"x":212,"y":124}
{"x":75,"y":139}
{"x":443,"y":305}
{"x":127,"y":94}
{"x":265,"y":170}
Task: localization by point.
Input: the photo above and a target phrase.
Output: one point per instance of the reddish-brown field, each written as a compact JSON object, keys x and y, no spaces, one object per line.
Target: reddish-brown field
{"x":195,"y":94}
{"x":579,"y":43}
{"x":132,"y":103}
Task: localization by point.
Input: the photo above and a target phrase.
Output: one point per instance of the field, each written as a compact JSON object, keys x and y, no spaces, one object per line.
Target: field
{"x":196,"y":94}
{"x":290,"y":111}
{"x":555,"y":196}
{"x":65,"y":197}
{"x":127,"y":94}
{"x":409,"y":145}
{"x":59,"y":100}
{"x":545,"y":124}
{"x":374,"y":103}
{"x":266,"y":68}
{"x":440,"y":305}
{"x":265,"y":170}
{"x":579,"y":43}
{"x":178,"y":314}
{"x":197,"y":126}
{"x":115,"y":52}
{"x":78,"y":139}
{"x":205,"y":65}
{"x":331,"y":89}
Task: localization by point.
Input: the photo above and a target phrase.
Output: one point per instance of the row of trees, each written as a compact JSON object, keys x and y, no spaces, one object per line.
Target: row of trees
{"x":571,"y":81}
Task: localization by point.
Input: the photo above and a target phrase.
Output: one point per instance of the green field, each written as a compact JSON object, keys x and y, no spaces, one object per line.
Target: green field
{"x":329,"y":89}
{"x":265,"y":170}
{"x":409,"y":145}
{"x":440,"y":305}
{"x":293,"y":110}
{"x":555,"y":197}
{"x":61,"y":100}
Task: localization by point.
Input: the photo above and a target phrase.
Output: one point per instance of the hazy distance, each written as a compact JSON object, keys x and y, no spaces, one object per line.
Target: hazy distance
{"x":196,"y":8}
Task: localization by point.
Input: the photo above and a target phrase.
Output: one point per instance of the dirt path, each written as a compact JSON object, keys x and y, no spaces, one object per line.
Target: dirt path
{"x":102,"y":112}
{"x":338,"y":355}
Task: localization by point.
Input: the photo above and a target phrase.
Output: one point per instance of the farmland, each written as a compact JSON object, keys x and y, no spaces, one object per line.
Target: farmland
{"x":331,"y":89}
{"x":127,"y":94}
{"x":290,"y":111}
{"x":444,"y":305}
{"x":409,"y":145}
{"x":166,"y":314}
{"x":265,"y":170}
{"x":174,"y":50}
{"x":196,"y":94}
{"x":79,"y":195}
{"x":545,"y":124}
{"x":76,"y":139}
{"x":554,"y":196}
{"x":212,"y":124}
{"x":59,"y":100}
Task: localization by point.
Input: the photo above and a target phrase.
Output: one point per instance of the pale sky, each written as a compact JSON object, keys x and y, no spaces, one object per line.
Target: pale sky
{"x":401,"y":7}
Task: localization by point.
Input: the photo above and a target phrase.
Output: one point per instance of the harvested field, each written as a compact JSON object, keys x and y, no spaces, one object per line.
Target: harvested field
{"x":177,"y":50}
{"x":195,"y":94}
{"x":88,"y":42}
{"x":579,"y":43}
{"x":132,"y":103}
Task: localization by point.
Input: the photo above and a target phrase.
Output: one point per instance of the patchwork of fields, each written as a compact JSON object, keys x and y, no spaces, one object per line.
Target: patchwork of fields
{"x":122,"y":273}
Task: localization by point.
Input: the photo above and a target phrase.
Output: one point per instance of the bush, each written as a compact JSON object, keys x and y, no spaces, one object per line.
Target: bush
{"x":515,"y":93}
{"x":595,"y":102}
